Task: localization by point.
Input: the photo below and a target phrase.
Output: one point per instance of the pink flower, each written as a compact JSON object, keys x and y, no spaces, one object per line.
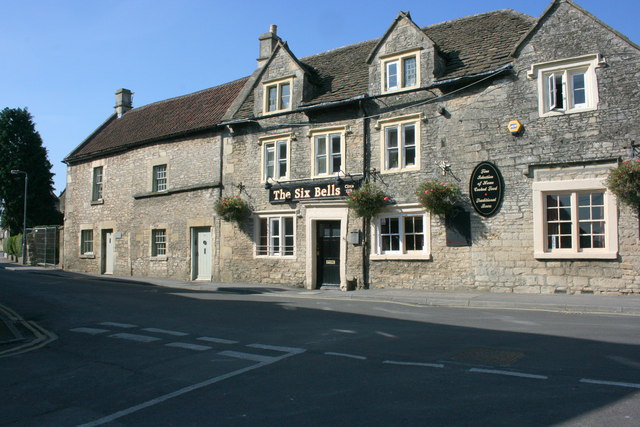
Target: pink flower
{"x":386,"y":198}
{"x":354,"y":198}
{"x":426,"y":191}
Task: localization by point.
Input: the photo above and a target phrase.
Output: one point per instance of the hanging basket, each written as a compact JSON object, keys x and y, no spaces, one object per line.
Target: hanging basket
{"x":438,"y":198}
{"x":232,"y":209}
{"x":367,"y":201}
{"x":624,"y":182}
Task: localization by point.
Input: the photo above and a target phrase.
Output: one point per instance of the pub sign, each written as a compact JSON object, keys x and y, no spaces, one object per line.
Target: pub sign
{"x":295,"y":192}
{"x":486,"y":189}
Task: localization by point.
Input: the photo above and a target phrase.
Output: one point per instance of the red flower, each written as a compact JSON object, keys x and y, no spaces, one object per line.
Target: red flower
{"x":386,"y":198}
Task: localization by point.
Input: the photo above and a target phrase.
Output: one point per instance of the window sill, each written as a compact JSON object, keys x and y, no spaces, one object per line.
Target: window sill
{"x":402,"y":170}
{"x":401,"y":257}
{"x":276,"y":257}
{"x":97,"y":202}
{"x":161,"y":258}
{"x":399,"y":90}
{"x":555,"y":113}
{"x":88,"y":256}
{"x":575,"y":255}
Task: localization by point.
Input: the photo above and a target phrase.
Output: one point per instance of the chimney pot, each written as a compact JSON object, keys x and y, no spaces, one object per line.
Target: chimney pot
{"x":268,"y":42}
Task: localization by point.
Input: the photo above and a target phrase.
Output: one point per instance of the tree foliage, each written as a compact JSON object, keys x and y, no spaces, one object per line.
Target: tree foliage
{"x":21,"y":149}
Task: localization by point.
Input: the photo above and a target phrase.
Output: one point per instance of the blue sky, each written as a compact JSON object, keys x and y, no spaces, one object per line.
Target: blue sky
{"x":64,"y":59}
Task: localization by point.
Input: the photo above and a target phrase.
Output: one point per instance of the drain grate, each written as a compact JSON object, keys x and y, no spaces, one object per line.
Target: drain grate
{"x":489,"y":356}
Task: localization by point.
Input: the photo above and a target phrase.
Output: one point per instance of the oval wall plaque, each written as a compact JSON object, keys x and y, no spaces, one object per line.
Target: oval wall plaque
{"x":486,"y":189}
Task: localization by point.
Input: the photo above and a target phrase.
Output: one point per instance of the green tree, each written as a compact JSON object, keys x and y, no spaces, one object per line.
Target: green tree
{"x":21,"y":148}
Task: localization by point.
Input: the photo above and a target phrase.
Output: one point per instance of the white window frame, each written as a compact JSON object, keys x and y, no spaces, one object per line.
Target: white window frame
{"x":540,"y":233}
{"x":84,"y":241}
{"x":97,"y":181}
{"x":159,"y":178}
{"x":273,"y":144}
{"x":399,"y":62}
{"x":159,"y":246}
{"x":328,"y":134}
{"x":400,"y":212}
{"x":278,"y":86}
{"x":558,"y":76}
{"x":276,"y":236}
{"x":400,"y":124}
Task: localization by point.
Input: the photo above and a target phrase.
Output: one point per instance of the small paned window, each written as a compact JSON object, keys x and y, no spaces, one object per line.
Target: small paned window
{"x":401,"y":72}
{"x":275,"y":236}
{"x":400,"y":150}
{"x":96,"y":192}
{"x":400,"y":234}
{"x":328,"y":154}
{"x":86,"y":242}
{"x":158,"y":242}
{"x":160,"y":178}
{"x":278,"y":97}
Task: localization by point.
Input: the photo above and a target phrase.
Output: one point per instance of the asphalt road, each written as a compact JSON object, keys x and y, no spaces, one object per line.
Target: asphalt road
{"x":131,"y":354}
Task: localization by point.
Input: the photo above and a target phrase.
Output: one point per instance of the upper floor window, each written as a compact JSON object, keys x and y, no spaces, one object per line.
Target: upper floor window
{"x":400,"y":144}
{"x":96,"y":191}
{"x":275,"y":155}
{"x":401,"y":72}
{"x":275,"y":235}
{"x":567,"y":86}
{"x":328,"y":153}
{"x":159,"y":178}
{"x":277,"y":96}
{"x":574,"y":219}
{"x":158,"y":242}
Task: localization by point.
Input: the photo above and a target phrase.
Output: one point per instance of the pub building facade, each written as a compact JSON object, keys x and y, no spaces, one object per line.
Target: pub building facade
{"x":525,"y":122}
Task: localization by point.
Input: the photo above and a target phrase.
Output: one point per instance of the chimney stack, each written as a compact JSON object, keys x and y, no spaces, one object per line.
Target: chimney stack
{"x":123,"y":101}
{"x":268,"y":43}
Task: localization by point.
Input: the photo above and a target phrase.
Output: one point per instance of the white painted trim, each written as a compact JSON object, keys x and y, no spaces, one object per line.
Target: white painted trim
{"x":314,"y":214}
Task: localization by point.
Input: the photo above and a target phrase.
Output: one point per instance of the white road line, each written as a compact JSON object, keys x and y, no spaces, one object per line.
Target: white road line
{"x":164,"y":331}
{"x":248,"y":356}
{"x":614,"y":383}
{"x":217,"y":340}
{"x":135,"y":337}
{"x":119,"y":325}
{"x":294,"y":350}
{"x":91,"y":331}
{"x":509,"y":373}
{"x":351,"y":356}
{"x":427,"y":365}
{"x":180,"y":392}
{"x":189,"y":346}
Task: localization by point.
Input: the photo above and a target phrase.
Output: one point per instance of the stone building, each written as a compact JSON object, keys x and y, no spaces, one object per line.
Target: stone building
{"x":526,"y":116}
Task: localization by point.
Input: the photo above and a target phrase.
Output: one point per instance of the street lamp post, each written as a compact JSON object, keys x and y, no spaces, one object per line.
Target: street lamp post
{"x":24,"y":221}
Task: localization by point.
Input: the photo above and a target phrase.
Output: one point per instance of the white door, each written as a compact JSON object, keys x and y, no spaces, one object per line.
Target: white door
{"x":202,"y":254}
{"x":109,"y":249}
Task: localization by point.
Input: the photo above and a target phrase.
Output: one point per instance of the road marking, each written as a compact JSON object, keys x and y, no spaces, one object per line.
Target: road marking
{"x":135,"y":337}
{"x":180,"y":392}
{"x":42,"y":337}
{"x":189,"y":346}
{"x":164,"y":331}
{"x":248,"y":356}
{"x":351,"y":356}
{"x":119,"y":325}
{"x":345,"y":331}
{"x":614,"y":383}
{"x":217,"y":340}
{"x":509,"y":373}
{"x":294,"y":350}
{"x":427,"y":365}
{"x":92,"y":331}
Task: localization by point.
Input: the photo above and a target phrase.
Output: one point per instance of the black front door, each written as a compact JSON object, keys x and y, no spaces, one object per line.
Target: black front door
{"x":328,"y":252}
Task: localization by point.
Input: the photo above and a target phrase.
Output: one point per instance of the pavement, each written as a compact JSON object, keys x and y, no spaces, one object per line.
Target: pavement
{"x":628,"y":305}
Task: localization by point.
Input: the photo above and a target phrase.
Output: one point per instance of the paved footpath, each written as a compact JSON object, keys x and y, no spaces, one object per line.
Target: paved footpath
{"x":628,"y":305}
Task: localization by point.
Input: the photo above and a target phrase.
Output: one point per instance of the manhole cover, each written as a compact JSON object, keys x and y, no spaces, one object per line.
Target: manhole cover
{"x":489,"y":356}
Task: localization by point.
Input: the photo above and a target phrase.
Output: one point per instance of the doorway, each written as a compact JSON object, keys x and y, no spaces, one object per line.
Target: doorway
{"x":201,"y":253}
{"x":327,"y":253}
{"x":108,"y":251}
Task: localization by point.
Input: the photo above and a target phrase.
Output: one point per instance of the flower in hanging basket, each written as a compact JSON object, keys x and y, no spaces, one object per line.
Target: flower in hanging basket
{"x":624,"y":182}
{"x":437,"y":197}
{"x":232,"y":209}
{"x":367,"y":201}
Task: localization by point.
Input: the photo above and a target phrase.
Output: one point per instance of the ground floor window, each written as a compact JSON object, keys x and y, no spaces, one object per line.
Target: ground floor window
{"x":574,"y":219}
{"x":158,"y":242}
{"x":275,"y":236}
{"x":86,"y":242}
{"x":402,"y":234}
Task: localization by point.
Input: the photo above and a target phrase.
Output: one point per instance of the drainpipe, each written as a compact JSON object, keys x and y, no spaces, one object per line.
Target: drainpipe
{"x":366,"y":166}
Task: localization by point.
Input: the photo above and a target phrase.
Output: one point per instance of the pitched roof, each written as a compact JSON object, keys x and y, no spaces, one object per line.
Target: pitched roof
{"x":164,"y":119}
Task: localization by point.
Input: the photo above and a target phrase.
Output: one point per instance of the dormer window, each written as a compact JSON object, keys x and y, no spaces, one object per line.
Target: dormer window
{"x":401,"y":72}
{"x":277,"y":96}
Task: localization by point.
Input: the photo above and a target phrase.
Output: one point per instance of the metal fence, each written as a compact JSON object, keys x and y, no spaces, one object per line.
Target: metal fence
{"x":43,"y":245}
